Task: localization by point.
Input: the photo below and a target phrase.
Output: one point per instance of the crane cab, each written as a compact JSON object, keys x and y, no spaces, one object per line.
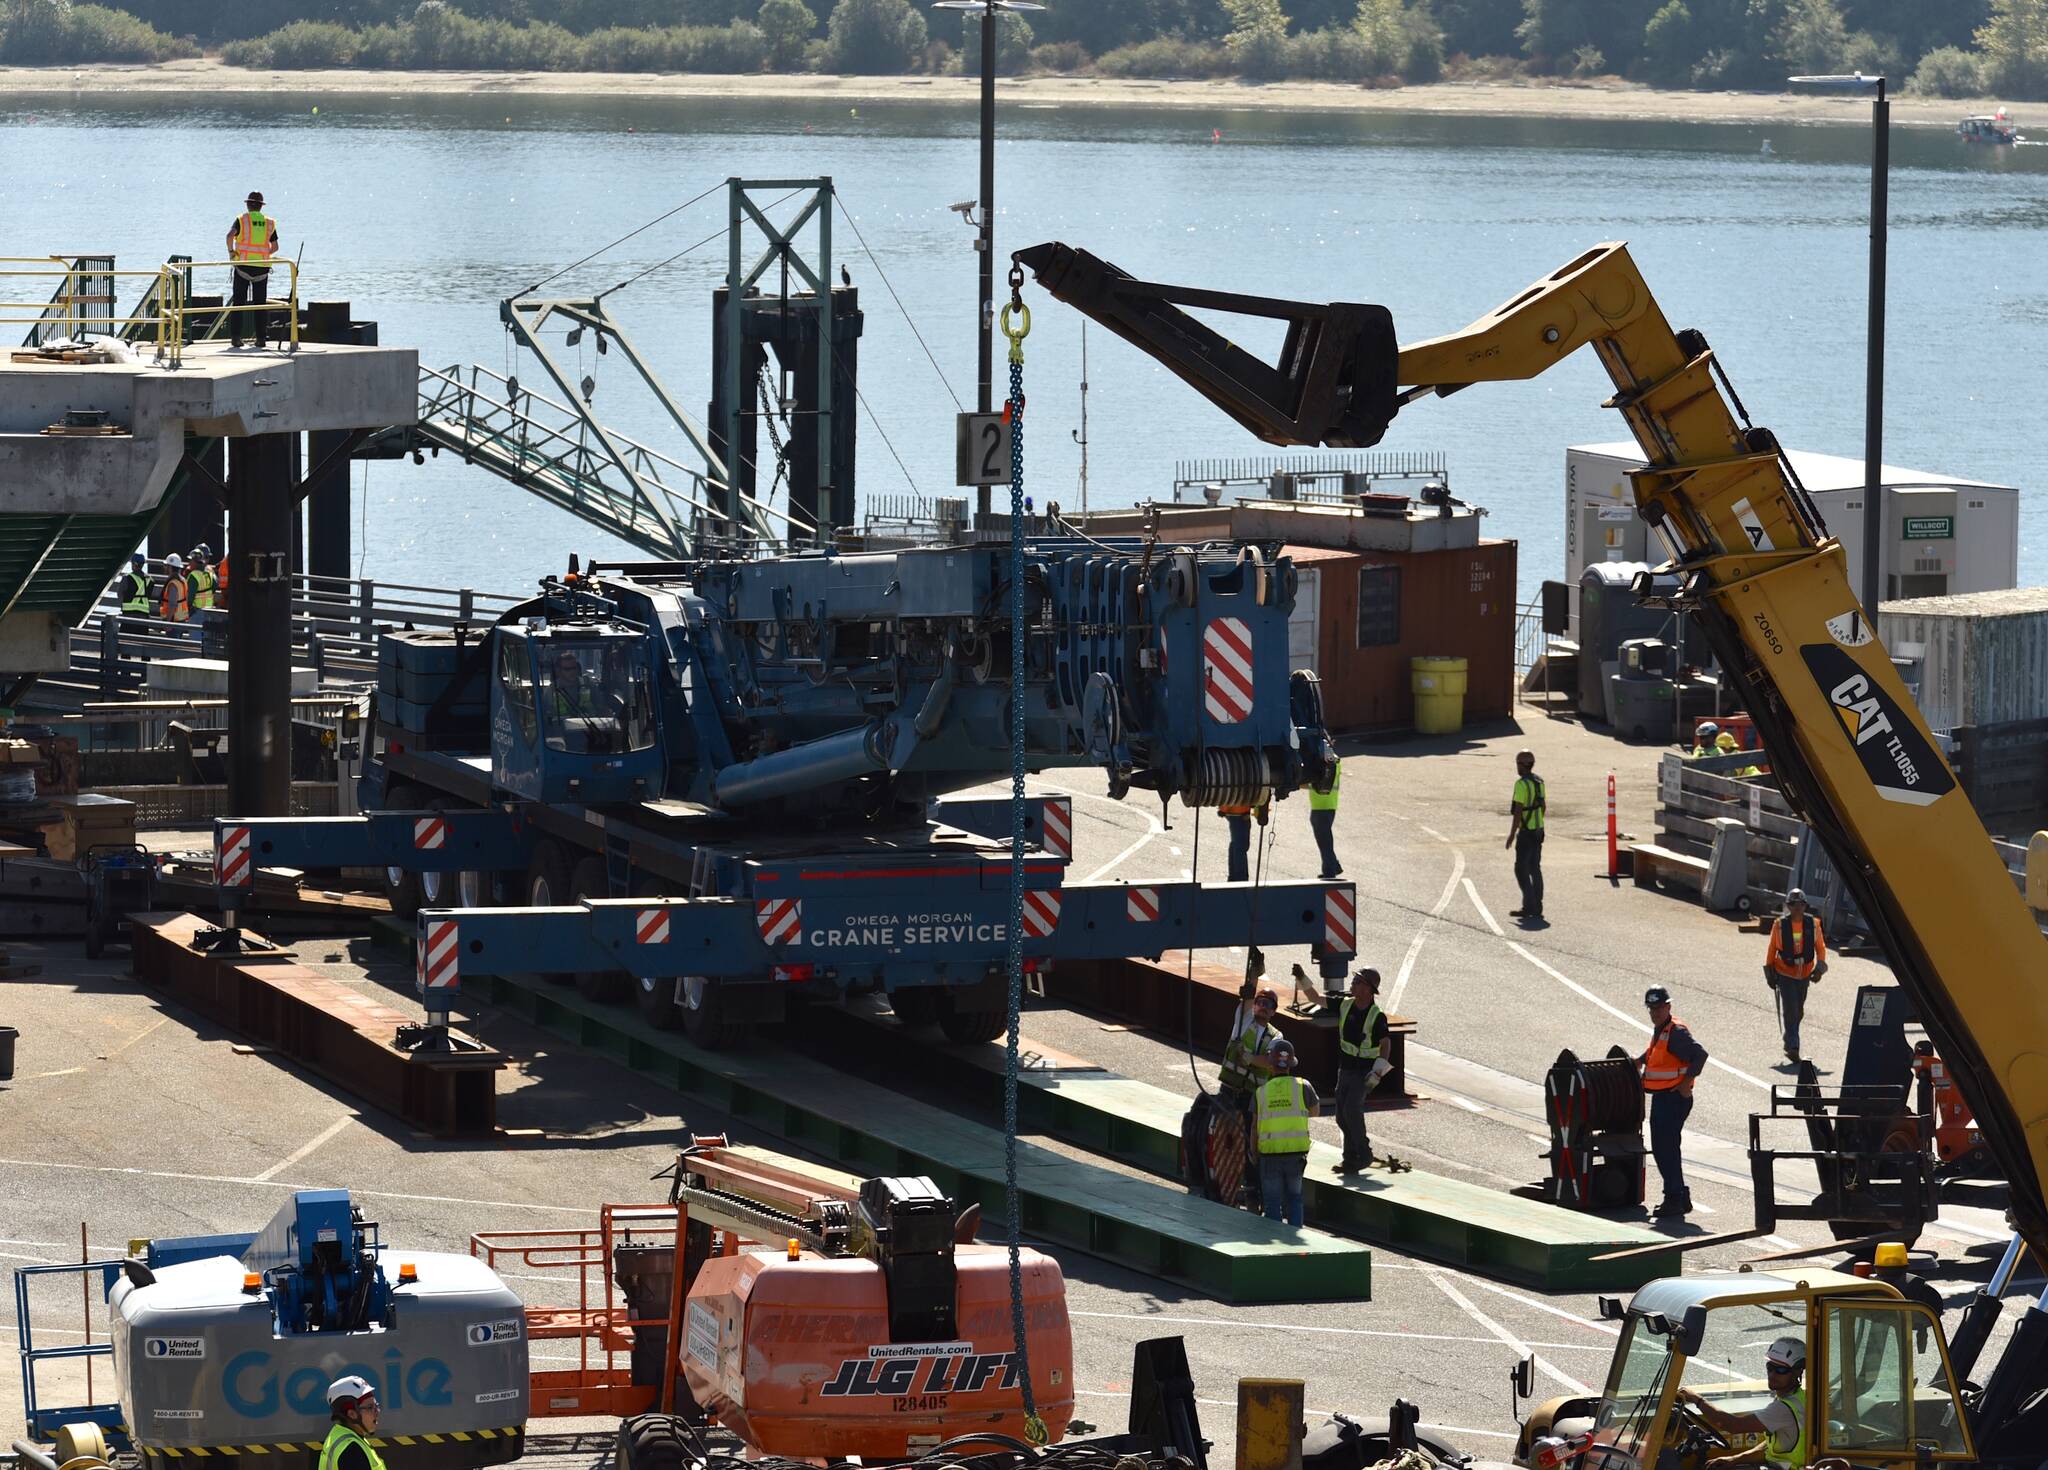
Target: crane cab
{"x":572,"y":713}
{"x":1878,"y":1390}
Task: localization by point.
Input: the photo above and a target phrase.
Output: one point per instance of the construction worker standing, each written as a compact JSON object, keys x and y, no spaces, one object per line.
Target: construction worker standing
{"x":1286,"y":1103}
{"x":1703,"y":739}
{"x":252,"y":241}
{"x":1238,"y":817}
{"x":1525,"y":836}
{"x":1361,"y":1063}
{"x":1798,"y":956}
{"x":1322,"y":819}
{"x":202,"y":578}
{"x":1726,"y":744}
{"x":353,"y":1402}
{"x":174,"y":602}
{"x":1670,"y":1066}
{"x":220,"y":574}
{"x":1781,"y":1422}
{"x":132,"y":587}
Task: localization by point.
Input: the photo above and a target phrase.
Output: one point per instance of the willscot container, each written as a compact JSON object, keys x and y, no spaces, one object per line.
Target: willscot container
{"x":1982,"y":657}
{"x":1365,"y":614}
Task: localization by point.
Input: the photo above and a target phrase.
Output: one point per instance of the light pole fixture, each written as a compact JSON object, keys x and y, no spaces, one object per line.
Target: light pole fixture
{"x":1873,"y":389}
{"x":986,"y":242}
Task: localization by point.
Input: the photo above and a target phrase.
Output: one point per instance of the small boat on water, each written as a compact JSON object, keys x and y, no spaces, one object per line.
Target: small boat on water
{"x":1996,"y":127}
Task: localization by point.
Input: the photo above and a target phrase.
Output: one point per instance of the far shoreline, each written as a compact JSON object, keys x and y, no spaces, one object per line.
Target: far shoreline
{"x":1603,"y":99}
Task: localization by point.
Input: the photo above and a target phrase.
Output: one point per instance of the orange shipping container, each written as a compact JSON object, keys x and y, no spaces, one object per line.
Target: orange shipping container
{"x":1365,"y":614}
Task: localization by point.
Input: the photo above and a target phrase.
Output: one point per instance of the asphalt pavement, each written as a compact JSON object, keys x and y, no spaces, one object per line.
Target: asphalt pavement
{"x":141,"y":1119}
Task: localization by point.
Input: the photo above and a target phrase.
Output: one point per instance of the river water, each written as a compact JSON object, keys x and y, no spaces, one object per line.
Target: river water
{"x":425,"y":212}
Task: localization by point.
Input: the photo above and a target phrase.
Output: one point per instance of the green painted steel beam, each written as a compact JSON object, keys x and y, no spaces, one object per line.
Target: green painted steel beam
{"x":1225,"y":1254}
{"x":1466,"y":1225}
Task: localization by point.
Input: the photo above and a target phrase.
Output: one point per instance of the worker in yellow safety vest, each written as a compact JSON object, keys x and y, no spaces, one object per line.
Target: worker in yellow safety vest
{"x":1361,"y":1063}
{"x":202,"y":578}
{"x":352,"y":1438}
{"x":1322,"y":818}
{"x":1252,"y":1037}
{"x":1781,"y":1422}
{"x":1525,"y":836}
{"x":1286,"y":1103}
{"x":174,"y":603}
{"x":1726,"y":744}
{"x":1669,"y":1066}
{"x":133,"y":587}
{"x":252,"y":241}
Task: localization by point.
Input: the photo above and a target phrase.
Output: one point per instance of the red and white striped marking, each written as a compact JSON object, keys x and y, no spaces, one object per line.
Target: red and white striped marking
{"x":650,"y":926}
{"x":781,"y":920}
{"x":1041,"y":912}
{"x":429,"y":833}
{"x":1141,"y":905}
{"x":437,"y":951}
{"x":1058,"y":820}
{"x":1227,"y":670}
{"x":1340,"y":920}
{"x":231,"y":865}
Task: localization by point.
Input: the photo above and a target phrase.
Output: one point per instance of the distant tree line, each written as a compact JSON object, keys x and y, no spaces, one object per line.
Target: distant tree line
{"x":1942,"y":47}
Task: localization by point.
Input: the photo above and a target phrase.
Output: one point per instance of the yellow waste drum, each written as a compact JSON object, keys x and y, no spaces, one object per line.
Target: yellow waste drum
{"x":1439,"y":688}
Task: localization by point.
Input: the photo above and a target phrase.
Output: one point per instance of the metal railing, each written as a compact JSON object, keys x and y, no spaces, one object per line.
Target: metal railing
{"x":71,"y":309}
{"x":81,"y":303}
{"x":557,"y":451}
{"x":177,"y":311}
{"x":335,"y":625}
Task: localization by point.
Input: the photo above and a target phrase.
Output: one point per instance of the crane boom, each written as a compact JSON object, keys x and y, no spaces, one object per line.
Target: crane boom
{"x":1752,"y":559}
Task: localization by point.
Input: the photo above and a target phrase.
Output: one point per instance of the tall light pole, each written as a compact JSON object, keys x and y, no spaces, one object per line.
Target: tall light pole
{"x":1873,"y":382}
{"x":985,"y":242}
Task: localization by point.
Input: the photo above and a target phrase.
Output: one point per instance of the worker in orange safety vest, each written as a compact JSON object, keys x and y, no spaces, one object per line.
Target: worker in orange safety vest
{"x":1797,"y":957}
{"x":1669,"y":1068}
{"x":174,"y":602}
{"x":252,"y":241}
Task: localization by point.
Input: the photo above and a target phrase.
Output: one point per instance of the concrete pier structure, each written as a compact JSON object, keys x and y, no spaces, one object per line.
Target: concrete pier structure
{"x":77,"y":498}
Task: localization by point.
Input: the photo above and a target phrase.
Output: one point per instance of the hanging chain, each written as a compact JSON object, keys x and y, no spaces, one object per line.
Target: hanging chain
{"x":1016,"y":324}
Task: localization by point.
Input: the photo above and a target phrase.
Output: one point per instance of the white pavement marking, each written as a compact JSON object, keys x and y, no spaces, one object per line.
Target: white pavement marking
{"x":1111,"y":1393}
{"x":1484,"y":912}
{"x":1521,"y":1349}
{"x":1256,"y":1326}
{"x":1415,"y":945}
{"x":1172,"y":849}
{"x":18,"y":1256}
{"x":425,"y":1199}
{"x":1432,"y":832}
{"x":1780,"y":1242}
{"x":1156,"y":831}
{"x":324,"y":1134}
{"x":1518,"y":1297}
{"x":1620,"y":1015}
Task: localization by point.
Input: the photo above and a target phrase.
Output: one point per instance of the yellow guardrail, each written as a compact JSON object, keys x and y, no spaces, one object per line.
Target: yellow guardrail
{"x":179,"y":311}
{"x":166,"y":305}
{"x":64,"y":307}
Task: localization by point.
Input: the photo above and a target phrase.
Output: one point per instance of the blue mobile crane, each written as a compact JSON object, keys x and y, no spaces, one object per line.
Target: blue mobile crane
{"x":711,"y":785}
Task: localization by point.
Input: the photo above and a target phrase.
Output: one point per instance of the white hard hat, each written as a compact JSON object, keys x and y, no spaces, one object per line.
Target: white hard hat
{"x":349,"y":1390}
{"x":174,"y":560}
{"x":1787,"y":1352}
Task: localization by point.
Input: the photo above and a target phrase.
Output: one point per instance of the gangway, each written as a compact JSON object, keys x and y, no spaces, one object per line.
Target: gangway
{"x":562,"y":453}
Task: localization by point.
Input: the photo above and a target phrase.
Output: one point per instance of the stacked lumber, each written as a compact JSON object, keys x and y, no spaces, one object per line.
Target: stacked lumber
{"x":83,"y":822}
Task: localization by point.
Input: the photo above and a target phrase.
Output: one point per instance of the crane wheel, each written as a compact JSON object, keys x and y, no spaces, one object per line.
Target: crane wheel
{"x":651,"y":1442}
{"x":547,"y":885}
{"x":915,"y":1005}
{"x":402,"y":889}
{"x":588,"y":880}
{"x":963,"y":1028}
{"x":704,"y":1021}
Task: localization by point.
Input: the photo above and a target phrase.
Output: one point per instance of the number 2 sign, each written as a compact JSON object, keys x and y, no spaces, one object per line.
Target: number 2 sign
{"x":981,"y":449}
